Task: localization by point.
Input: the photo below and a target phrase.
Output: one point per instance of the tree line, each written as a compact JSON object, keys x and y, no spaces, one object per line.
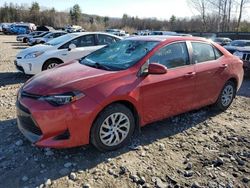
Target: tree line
{"x":212,"y":16}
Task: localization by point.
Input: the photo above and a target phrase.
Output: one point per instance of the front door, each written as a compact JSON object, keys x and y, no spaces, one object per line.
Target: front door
{"x":168,"y":94}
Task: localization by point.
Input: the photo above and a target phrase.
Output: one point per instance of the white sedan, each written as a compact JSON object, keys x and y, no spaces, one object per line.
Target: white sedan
{"x":61,"y":50}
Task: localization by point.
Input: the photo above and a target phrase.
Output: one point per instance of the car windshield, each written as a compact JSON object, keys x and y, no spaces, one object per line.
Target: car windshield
{"x":47,"y":35}
{"x":239,"y":43}
{"x":120,"y":55}
{"x":61,"y":39}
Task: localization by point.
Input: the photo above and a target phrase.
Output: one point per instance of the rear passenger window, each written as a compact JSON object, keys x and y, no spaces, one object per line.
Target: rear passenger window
{"x":202,"y":52}
{"x":106,"y":40}
{"x":172,"y":56}
{"x":218,"y":53}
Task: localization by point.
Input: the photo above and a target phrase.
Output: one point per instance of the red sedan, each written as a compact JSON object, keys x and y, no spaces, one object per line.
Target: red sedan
{"x":102,"y":98}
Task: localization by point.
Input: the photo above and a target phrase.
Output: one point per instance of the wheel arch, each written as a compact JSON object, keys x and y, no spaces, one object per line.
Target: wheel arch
{"x":53,"y":58}
{"x":234,"y":80}
{"x":130,"y":106}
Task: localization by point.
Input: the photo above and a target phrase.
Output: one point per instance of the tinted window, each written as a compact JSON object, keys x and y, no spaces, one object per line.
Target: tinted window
{"x":83,"y":41}
{"x":106,"y":39}
{"x":173,"y":55}
{"x":202,"y":52}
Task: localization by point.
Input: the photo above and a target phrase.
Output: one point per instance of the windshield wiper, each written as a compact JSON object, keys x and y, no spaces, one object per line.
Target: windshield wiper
{"x":95,"y":64}
{"x":101,"y":66}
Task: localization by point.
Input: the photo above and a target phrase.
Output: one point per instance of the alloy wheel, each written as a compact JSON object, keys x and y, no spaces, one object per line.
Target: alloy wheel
{"x":52,"y":65}
{"x":227,"y":95}
{"x":114,"y":129}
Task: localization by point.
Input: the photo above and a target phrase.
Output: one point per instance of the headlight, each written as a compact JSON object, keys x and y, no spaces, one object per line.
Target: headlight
{"x":238,"y":54}
{"x":62,"y":99}
{"x":33,"y":55}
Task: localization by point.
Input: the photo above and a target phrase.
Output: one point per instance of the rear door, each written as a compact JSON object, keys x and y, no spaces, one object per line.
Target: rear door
{"x":172,"y":93}
{"x":210,"y":71}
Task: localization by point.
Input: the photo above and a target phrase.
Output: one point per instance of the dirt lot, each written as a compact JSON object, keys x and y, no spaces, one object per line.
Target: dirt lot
{"x":202,"y":148}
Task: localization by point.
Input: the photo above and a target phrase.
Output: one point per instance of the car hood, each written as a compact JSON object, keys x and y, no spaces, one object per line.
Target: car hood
{"x":238,"y":48}
{"x":40,"y":47}
{"x":67,"y":77}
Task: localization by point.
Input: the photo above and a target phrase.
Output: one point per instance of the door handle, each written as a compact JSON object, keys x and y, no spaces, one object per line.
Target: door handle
{"x":190,"y":74}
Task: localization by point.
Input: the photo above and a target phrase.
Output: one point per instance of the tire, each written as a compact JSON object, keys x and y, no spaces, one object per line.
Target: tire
{"x":25,"y":40}
{"x":106,"y":137}
{"x":51,"y":63}
{"x":226,"y":96}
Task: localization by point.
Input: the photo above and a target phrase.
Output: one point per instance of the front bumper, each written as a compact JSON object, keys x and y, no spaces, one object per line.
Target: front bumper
{"x":29,"y":66}
{"x":26,"y":124}
{"x":46,"y":125}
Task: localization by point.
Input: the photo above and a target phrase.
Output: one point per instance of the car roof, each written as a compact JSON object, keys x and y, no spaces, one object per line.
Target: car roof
{"x":162,"y":38}
{"x":97,"y":32}
{"x":242,"y":40}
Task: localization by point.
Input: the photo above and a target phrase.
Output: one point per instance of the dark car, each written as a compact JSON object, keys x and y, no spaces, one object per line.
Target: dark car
{"x":241,"y":49}
{"x":31,"y":40}
{"x":244,"y":55}
{"x":222,"y":41}
{"x":235,"y":45}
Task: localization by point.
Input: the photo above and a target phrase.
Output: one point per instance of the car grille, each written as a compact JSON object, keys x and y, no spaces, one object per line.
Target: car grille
{"x":26,"y":121}
{"x":20,"y":68}
{"x":246,"y":57}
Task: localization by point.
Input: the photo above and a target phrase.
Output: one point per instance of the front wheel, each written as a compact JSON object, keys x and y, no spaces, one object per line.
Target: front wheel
{"x":226,"y":96}
{"x":50,"y":64}
{"x":113,"y":128}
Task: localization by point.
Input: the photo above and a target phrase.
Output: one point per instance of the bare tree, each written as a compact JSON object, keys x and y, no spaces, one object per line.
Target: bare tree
{"x":242,"y":5}
{"x":201,"y":7}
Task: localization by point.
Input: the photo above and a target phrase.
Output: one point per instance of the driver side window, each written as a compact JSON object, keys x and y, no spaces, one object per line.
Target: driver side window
{"x":172,"y":56}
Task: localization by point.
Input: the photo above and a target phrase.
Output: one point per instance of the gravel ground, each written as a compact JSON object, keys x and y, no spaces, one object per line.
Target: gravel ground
{"x":201,"y":148}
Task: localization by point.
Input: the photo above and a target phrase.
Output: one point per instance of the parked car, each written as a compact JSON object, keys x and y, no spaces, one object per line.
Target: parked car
{"x":6,"y":28}
{"x":163,"y":33}
{"x":32,"y":39}
{"x":24,"y":37}
{"x":237,"y":44}
{"x":60,"y":50}
{"x":222,"y":41}
{"x":102,"y":98}
{"x":244,"y":54}
{"x":117,"y":32}
{"x":41,"y":40}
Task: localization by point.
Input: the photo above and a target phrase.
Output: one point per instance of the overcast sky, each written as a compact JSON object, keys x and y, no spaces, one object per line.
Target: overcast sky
{"x":160,"y":9}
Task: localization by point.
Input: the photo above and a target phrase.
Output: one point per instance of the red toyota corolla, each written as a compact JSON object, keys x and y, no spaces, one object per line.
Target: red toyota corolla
{"x":102,"y":98}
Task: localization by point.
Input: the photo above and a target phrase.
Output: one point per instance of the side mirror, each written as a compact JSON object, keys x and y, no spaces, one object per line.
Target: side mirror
{"x":71,"y":47}
{"x":156,"y":68}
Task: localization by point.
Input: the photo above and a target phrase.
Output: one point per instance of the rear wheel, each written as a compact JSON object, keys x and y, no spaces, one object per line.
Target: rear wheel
{"x":113,"y":128}
{"x":25,"y":40}
{"x":226,"y":96}
{"x":50,"y":64}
